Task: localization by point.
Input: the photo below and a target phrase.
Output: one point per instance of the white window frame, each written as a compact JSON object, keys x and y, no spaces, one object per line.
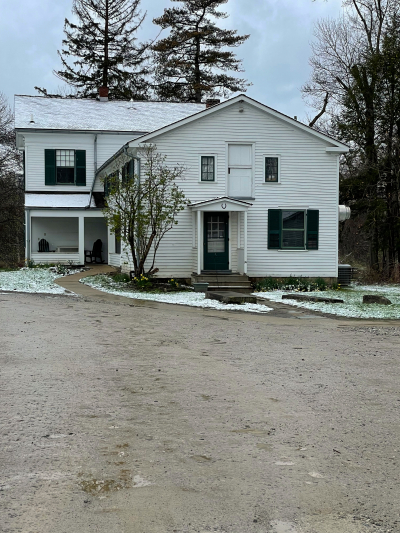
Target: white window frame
{"x":278,"y":157}
{"x":208,"y":154}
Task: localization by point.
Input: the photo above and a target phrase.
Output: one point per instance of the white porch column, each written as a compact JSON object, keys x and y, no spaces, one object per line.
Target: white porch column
{"x":245,"y":242}
{"x":81,"y":239}
{"x":198,"y":242}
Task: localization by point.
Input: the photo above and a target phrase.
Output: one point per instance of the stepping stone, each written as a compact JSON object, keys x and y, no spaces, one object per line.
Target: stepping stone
{"x":228,"y":297}
{"x":305,"y":298}
{"x":374,"y":299}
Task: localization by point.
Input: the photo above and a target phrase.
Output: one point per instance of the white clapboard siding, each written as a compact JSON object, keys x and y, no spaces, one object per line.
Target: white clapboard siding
{"x":36,"y":143}
{"x":53,"y":258}
{"x":308,"y":180}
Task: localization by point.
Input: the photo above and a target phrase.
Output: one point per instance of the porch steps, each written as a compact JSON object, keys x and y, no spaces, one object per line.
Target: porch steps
{"x":224,"y":282}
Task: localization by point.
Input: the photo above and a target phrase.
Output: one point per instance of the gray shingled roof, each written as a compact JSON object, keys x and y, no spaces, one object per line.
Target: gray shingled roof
{"x":33,"y":200}
{"x":90,"y":115}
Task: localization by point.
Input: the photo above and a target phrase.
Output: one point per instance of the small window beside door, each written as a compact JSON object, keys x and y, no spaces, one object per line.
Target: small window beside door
{"x":207,"y":168}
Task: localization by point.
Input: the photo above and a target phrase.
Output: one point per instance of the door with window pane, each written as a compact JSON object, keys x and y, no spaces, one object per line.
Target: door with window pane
{"x":216,"y":241}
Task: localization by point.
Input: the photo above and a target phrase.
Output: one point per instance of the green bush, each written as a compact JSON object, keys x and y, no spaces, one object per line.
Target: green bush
{"x":291,"y":284}
{"x":121,"y":278}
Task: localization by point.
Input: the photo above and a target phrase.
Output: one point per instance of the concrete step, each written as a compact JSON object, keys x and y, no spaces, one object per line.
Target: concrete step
{"x":229,"y":288}
{"x":230,"y":284}
{"x":220,"y":279}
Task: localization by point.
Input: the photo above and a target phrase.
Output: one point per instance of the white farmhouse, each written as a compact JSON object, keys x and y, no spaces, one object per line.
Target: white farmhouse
{"x":263,"y":188}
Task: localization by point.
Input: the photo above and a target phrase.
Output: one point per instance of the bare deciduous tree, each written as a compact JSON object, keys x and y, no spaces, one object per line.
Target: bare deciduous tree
{"x":142,"y":208}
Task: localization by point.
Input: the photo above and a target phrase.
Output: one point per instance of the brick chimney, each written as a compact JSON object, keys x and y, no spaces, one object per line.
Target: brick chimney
{"x":103,"y":93}
{"x":212,"y":101}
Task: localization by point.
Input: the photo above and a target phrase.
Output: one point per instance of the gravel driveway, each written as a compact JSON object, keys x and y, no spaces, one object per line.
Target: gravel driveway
{"x":158,"y":419}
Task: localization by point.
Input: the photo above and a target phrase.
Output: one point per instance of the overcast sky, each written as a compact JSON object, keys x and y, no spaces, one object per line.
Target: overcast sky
{"x":275,"y":57}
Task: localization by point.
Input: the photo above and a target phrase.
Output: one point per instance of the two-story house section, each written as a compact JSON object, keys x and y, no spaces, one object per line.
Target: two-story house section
{"x":263,"y":191}
{"x":65,"y":141}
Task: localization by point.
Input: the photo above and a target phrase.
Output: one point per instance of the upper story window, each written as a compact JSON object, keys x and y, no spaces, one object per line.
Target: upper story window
{"x":65,"y":165}
{"x":271,"y":169}
{"x":207,"y":168}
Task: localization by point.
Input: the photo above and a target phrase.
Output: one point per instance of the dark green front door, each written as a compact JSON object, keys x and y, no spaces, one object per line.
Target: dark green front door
{"x":216,"y":241}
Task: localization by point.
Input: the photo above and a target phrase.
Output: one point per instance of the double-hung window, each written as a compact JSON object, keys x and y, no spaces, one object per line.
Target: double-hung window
{"x":207,"y":168}
{"x":65,"y":167}
{"x":293,"y":229}
{"x":272,"y":169}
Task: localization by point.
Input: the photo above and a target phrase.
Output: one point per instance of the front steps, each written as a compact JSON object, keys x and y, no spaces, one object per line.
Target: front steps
{"x":222,"y":282}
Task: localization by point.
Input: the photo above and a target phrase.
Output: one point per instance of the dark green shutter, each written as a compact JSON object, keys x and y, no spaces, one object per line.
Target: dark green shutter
{"x":80,"y":167}
{"x":274,"y":228}
{"x":131,"y":169}
{"x":106,"y":187}
{"x":312,"y":229}
{"x":49,"y":167}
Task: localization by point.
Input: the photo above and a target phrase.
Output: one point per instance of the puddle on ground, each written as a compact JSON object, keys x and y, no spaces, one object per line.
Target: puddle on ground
{"x":200,"y":458}
{"x":205,"y":397}
{"x":102,"y":487}
{"x":266,"y":447}
{"x":97,"y":487}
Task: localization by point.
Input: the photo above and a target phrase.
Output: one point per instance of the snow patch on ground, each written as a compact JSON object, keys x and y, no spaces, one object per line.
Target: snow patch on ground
{"x":194,"y":299}
{"x":33,"y":280}
{"x":352,"y":306}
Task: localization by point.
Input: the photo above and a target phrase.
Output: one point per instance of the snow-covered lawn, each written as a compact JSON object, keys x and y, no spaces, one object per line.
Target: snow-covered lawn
{"x":195,"y":299}
{"x":36,"y":280}
{"x":352,"y":306}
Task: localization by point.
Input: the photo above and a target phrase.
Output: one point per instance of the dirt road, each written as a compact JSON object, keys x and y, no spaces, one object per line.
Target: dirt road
{"x":156,"y":419}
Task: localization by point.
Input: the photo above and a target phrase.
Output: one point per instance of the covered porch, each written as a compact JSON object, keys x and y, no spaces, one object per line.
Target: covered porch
{"x":220,"y":235}
{"x":68,"y":234}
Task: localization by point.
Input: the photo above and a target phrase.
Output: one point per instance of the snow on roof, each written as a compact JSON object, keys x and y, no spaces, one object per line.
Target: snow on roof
{"x":38,"y":112}
{"x":33,"y":200}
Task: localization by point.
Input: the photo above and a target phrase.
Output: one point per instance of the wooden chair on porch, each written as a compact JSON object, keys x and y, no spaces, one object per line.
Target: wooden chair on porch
{"x":43,"y":246}
{"x":95,"y":253}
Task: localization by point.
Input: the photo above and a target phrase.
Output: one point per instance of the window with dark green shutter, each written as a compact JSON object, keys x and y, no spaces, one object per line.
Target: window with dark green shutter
{"x":312,"y":229}
{"x":293,"y":225}
{"x":293,"y":230}
{"x":50,"y":167}
{"x":80,"y":167}
{"x":65,"y":167}
{"x":274,"y":228}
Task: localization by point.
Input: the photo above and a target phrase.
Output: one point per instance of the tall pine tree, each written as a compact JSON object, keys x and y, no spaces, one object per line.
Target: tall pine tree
{"x":193,"y":60}
{"x":100,"y":50}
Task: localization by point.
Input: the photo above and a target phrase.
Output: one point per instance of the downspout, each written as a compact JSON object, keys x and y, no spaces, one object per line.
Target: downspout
{"x":28,"y":233}
{"x":95,"y":171}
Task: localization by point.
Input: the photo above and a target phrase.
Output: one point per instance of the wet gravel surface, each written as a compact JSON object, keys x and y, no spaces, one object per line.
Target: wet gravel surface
{"x":153,"y":418}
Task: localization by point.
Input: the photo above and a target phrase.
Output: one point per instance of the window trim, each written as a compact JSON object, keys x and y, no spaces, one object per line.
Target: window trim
{"x":278,"y":157}
{"x":215,"y":167}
